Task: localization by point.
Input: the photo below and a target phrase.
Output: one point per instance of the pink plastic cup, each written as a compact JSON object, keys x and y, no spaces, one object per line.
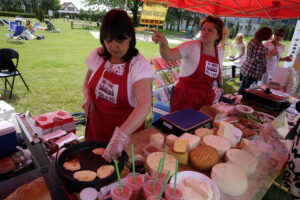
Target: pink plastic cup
{"x":147,"y":188}
{"x":117,"y":195}
{"x":136,"y":187}
{"x":161,"y":178}
{"x":170,"y":195}
{"x":154,"y":197}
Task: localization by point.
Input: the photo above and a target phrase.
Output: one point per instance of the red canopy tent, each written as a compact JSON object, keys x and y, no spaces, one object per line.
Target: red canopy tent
{"x":268,"y":9}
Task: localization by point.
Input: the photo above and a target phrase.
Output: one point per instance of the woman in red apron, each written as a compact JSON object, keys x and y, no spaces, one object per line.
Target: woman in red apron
{"x":110,"y":116}
{"x":199,"y":71}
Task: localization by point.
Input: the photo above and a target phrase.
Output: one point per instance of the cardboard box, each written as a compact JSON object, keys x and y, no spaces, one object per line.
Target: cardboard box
{"x":185,"y":120}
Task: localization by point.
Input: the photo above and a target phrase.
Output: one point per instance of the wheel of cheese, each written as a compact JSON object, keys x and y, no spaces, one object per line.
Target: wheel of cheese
{"x":153,"y":160}
{"x":204,"y":157}
{"x":230,"y":178}
{"x":243,"y":159}
{"x":221,"y":144}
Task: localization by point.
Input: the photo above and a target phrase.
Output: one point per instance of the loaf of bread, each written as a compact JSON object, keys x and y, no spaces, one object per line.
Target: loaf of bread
{"x":35,"y":190}
{"x":204,"y":157}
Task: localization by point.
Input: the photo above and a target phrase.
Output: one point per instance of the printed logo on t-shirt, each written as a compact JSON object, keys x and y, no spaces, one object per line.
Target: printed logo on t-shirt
{"x":107,"y":90}
{"x":211,"y":69}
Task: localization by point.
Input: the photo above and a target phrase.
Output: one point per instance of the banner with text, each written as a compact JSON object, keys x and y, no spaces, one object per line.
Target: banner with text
{"x":154,"y":12}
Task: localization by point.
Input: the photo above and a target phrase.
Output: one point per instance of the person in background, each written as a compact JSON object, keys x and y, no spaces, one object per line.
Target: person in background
{"x":238,"y":46}
{"x":255,"y":64}
{"x":200,"y":66}
{"x":275,"y":50}
{"x":118,"y":85}
{"x":29,"y":27}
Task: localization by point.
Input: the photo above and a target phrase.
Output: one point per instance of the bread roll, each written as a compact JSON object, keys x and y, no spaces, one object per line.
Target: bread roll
{"x":72,"y":165}
{"x":35,"y":190}
{"x":85,"y":175}
{"x":105,"y":171}
{"x":98,"y":151}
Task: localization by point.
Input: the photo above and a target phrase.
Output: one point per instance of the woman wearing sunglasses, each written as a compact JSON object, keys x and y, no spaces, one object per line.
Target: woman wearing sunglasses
{"x":275,"y":49}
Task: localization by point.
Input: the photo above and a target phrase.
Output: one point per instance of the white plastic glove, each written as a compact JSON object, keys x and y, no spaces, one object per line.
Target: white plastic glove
{"x":116,"y":145}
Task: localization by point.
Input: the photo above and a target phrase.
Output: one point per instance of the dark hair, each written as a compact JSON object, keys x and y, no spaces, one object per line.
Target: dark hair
{"x":117,"y":25}
{"x":280,"y":31}
{"x":219,"y":25}
{"x":264,"y":33}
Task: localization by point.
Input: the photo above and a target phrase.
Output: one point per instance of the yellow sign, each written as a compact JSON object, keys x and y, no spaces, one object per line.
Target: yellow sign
{"x":154,"y":12}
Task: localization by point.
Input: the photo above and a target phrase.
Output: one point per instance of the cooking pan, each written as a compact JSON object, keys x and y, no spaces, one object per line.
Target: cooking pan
{"x":88,"y":161}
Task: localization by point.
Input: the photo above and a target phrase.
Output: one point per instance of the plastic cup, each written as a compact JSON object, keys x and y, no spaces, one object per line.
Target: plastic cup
{"x":169,"y":192}
{"x":117,"y":195}
{"x":88,"y":194}
{"x":147,"y":188}
{"x":154,"y":197}
{"x":161,"y":178}
{"x":137,"y":187}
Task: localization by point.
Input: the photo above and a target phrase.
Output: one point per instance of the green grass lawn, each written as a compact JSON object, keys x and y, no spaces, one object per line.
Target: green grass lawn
{"x":55,"y":68}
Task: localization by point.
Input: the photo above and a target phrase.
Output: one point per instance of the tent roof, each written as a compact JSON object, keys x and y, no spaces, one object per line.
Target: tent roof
{"x":268,"y":9}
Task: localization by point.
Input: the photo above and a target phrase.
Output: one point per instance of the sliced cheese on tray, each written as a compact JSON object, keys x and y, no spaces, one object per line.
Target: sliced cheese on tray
{"x":193,"y":140}
{"x":157,"y":140}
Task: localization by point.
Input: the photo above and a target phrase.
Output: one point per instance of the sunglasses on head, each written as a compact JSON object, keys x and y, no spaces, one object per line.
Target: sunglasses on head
{"x":280,"y":35}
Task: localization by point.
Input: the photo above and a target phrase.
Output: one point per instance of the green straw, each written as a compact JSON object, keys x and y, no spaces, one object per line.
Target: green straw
{"x":133,"y":162}
{"x":175,"y":177}
{"x":164,"y":185}
{"x":156,"y":174}
{"x":119,"y":178}
{"x":163,"y":162}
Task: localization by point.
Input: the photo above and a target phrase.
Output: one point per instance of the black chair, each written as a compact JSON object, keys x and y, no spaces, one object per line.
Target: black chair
{"x":9,"y":69}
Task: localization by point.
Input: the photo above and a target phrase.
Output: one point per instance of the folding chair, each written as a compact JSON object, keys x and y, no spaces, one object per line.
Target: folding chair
{"x":5,"y":21}
{"x":17,"y":32}
{"x":51,"y":28}
{"x":9,"y":69}
{"x":12,"y":26}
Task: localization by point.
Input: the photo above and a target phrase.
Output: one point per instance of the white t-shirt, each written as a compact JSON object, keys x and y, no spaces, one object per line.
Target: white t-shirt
{"x":272,"y":62}
{"x":139,"y":68}
{"x":190,"y":53}
{"x":239,"y":50}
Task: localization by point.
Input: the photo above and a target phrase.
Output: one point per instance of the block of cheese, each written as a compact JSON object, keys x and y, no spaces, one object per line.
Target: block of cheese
{"x":181,"y":157}
{"x":153,"y":160}
{"x":201,"y":132}
{"x":180,"y":145}
{"x":242,"y":159}
{"x":193,"y":140}
{"x":170,"y":139}
{"x":231,"y":179}
{"x":225,"y":129}
{"x":221,"y":144}
{"x":157,"y":140}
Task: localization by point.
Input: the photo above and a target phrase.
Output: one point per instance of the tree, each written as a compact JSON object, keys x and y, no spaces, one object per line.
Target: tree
{"x":237,"y":28}
{"x":132,"y":5}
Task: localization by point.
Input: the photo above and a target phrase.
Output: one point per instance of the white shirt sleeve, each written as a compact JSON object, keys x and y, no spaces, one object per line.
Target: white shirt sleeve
{"x":93,"y":60}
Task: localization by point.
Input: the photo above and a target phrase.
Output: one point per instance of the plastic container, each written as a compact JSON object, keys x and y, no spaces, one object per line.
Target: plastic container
{"x":136,"y":187}
{"x":8,"y":138}
{"x":6,"y":110}
{"x":88,"y":193}
{"x":147,"y":188}
{"x":169,"y":192}
{"x":148,"y":149}
{"x":117,"y":195}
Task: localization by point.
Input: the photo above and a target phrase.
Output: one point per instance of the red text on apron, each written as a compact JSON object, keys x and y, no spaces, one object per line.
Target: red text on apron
{"x":196,"y":90}
{"x":108,"y":91}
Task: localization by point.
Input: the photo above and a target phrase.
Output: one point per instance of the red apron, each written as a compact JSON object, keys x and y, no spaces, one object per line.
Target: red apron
{"x":108,"y":91}
{"x":197,"y":90}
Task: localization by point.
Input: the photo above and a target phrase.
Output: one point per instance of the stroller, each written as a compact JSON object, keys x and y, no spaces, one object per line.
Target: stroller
{"x":51,"y":28}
